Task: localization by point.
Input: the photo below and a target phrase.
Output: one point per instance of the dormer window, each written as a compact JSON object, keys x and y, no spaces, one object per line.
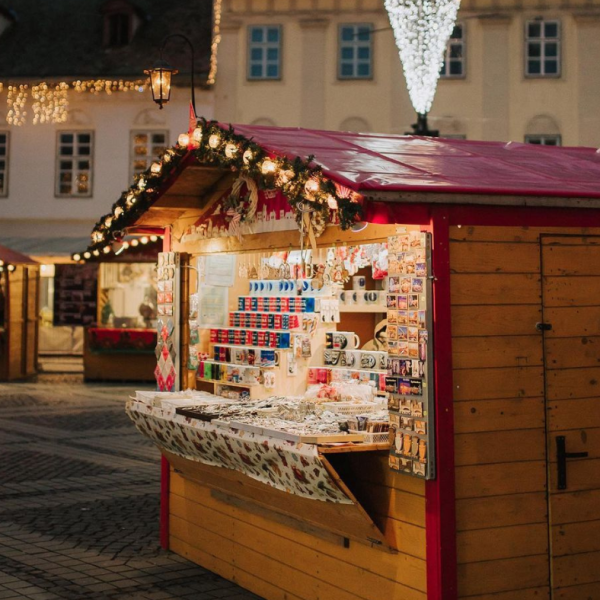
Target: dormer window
{"x":119,"y":30}
{"x":120,"y":23}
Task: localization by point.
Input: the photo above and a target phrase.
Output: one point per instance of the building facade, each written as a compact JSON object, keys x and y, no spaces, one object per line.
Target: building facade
{"x":77,"y":120}
{"x":515,"y":70}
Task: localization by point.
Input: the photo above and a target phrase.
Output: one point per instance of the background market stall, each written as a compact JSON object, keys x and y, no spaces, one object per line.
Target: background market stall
{"x":515,"y":253}
{"x":120,"y":340}
{"x":19,"y":281}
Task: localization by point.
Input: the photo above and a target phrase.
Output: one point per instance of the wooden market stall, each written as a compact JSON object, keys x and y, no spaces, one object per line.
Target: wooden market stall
{"x":510,"y":505}
{"x":120,"y":344}
{"x":19,"y":282}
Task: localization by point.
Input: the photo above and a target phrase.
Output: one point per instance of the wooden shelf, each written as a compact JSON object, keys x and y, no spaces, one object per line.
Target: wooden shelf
{"x":363,"y":308}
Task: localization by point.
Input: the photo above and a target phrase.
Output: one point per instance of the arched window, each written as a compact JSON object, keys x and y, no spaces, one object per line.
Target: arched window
{"x":354,"y":124}
{"x":120,"y":23}
{"x":543,"y":130}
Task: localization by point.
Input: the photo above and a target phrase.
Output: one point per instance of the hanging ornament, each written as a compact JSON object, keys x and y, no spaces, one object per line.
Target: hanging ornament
{"x":214,"y":140}
{"x":247,"y":157}
{"x":130,"y":199}
{"x":118,"y":211}
{"x":422,"y":29}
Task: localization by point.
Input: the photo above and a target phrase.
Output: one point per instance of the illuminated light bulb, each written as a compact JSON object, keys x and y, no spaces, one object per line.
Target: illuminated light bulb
{"x":131,"y":199}
{"x":141,"y":183}
{"x":11,"y":268}
{"x":106,"y":249}
{"x":168,"y":155}
{"x":108,"y":221}
{"x":422,"y":29}
{"x":248,"y":156}
{"x":197,"y":135}
{"x":1,"y":263}
{"x":311,"y":187}
{"x":183,"y":140}
{"x":214,"y":140}
{"x":268,"y":167}
{"x":154,"y":238}
{"x":156,"y":168}
{"x":96,"y":252}
{"x":76,"y":257}
{"x":118,"y":211}
{"x":286,"y":176}
{"x":87,"y":255}
{"x":332,"y":202}
{"x":144,"y":240}
{"x":230,"y":150}
{"x":125,"y":245}
{"x":134,"y":243}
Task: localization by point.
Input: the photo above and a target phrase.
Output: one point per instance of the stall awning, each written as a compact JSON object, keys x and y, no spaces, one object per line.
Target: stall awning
{"x":368,"y":162}
{"x":12,"y":257}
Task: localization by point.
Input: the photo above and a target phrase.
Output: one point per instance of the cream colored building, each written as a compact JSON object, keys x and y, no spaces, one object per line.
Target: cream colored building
{"x":495,"y":98}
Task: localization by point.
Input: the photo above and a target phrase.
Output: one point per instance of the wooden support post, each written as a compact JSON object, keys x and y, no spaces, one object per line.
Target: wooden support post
{"x":440,"y":515}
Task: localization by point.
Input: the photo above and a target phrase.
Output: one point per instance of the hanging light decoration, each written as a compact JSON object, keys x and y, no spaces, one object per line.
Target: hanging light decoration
{"x":197,"y":135}
{"x":214,"y":140}
{"x":160,"y":82}
{"x":231,"y":150}
{"x":248,"y":156}
{"x":183,"y":140}
{"x":422,"y":29}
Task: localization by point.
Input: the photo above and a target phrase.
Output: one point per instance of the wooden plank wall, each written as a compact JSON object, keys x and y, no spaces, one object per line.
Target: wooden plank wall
{"x":16,"y":366}
{"x":281,"y":562}
{"x":501,"y":477}
{"x":501,"y":503}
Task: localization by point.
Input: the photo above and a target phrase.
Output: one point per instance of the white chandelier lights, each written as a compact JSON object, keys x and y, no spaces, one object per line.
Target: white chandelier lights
{"x":422,"y":29}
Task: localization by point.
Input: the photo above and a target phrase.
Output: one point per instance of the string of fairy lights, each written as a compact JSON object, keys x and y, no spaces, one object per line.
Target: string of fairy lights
{"x":312,"y":196}
{"x":4,"y":266}
{"x":50,"y":101}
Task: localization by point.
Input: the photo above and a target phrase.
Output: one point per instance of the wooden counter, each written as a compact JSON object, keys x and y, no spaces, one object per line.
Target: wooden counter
{"x":282,"y":546}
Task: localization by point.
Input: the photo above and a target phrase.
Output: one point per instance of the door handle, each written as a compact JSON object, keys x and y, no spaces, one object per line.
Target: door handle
{"x":561,"y":460}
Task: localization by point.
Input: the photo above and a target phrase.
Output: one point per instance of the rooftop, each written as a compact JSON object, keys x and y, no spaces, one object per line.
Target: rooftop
{"x":64,"y":38}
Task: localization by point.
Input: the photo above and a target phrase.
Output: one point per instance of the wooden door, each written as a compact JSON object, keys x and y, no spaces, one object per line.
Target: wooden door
{"x":571,"y":306}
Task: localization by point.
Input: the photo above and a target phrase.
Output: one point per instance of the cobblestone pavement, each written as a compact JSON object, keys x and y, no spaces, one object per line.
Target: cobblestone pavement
{"x":79,"y":501}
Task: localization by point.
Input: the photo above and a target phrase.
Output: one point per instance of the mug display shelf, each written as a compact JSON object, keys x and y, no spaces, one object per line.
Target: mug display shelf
{"x":212,"y":361}
{"x":297,"y":329}
{"x":363,"y":308}
{"x":243,"y":346}
{"x":334,"y":368}
{"x":232,"y":383}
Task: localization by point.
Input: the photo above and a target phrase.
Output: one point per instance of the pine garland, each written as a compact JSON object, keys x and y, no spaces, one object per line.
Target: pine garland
{"x":300,"y":180}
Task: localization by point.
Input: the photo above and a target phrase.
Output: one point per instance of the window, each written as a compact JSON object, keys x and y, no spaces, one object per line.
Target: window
{"x":146,"y":146}
{"x":542,"y":48}
{"x":264,"y":52}
{"x":119,"y":30}
{"x":355,"y":52}
{"x":454,"y":56}
{"x":3,"y":163}
{"x":544,"y":139}
{"x":74,"y":163}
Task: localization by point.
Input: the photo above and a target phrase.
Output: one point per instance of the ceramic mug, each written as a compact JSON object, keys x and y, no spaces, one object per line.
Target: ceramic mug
{"x":348,"y":358}
{"x":331,"y":357}
{"x":341,"y":340}
{"x":369,"y":360}
{"x":359,"y":282}
{"x":371,"y":297}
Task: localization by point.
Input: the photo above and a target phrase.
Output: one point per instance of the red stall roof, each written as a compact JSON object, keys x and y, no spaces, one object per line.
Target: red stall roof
{"x":369,"y":162}
{"x":13,"y":257}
